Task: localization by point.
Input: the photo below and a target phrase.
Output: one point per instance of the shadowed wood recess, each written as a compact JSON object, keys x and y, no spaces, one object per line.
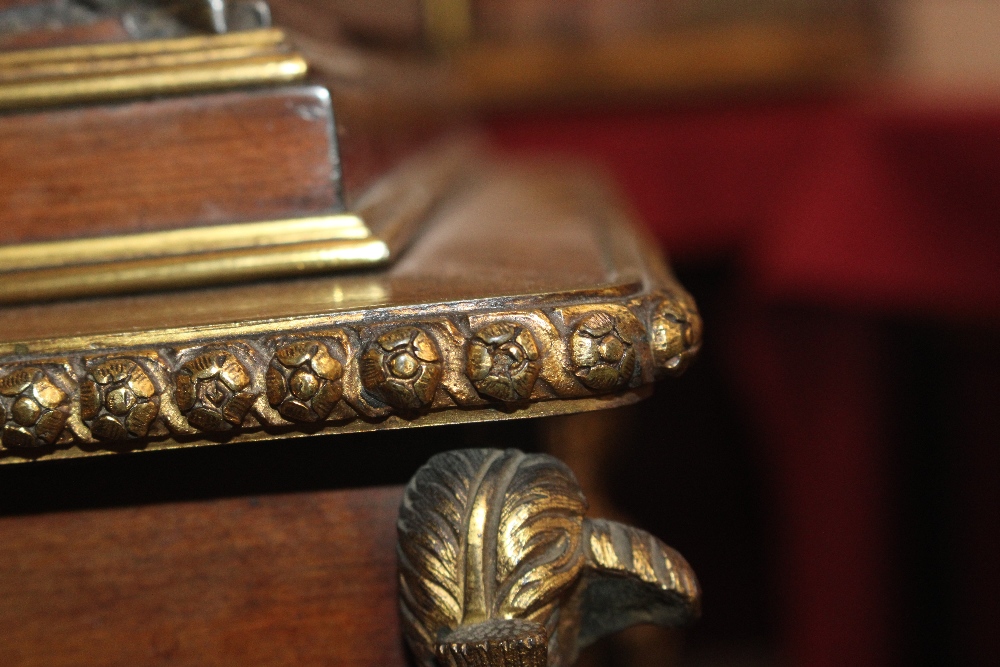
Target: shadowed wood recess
{"x":302,"y":579}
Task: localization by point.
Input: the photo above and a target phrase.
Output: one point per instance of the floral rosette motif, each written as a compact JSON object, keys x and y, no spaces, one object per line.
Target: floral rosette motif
{"x":502,"y":362}
{"x":675,"y":334}
{"x":213,"y":391}
{"x":403,"y":368}
{"x":35,"y":411}
{"x":304,"y":381}
{"x":602,"y":352}
{"x":118,"y":399}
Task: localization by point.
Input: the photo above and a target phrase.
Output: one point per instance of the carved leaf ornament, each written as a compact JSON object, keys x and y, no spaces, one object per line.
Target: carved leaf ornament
{"x":37,"y":409}
{"x":213,"y":391}
{"x":403,"y":368}
{"x":118,"y":400}
{"x":503,"y":361}
{"x":304,"y":381}
{"x":498,"y":565}
{"x":602,"y":352}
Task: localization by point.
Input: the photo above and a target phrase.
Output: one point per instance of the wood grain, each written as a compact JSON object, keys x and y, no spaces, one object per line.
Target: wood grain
{"x":103,"y":30}
{"x":297,"y":579}
{"x":166,"y":163}
{"x":509,"y":233}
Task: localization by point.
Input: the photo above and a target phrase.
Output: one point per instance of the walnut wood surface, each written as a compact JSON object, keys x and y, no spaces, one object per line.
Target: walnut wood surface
{"x":166,"y":163}
{"x":510,"y":234}
{"x":300,"y":579}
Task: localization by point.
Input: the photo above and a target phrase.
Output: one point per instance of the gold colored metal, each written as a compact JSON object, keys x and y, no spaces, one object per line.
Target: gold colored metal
{"x":180,"y":271}
{"x":503,"y":361}
{"x":36,"y":407}
{"x":86,"y":73}
{"x":118,"y":400}
{"x":213,"y":390}
{"x":498,"y":566}
{"x":267,"y":38}
{"x":402,"y":368}
{"x":187,"y":241}
{"x":304,"y":381}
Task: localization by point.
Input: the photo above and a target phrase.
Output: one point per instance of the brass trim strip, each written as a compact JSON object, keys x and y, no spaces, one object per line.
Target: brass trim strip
{"x":186,"y":241}
{"x":180,"y":271}
{"x":658,"y":333}
{"x":268,"y":69}
{"x":44,"y":77}
{"x":257,"y":38}
{"x":76,"y":68}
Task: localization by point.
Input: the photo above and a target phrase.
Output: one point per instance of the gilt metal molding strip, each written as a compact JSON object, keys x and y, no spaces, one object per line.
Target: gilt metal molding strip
{"x":390,"y":369}
{"x":93,"y":72}
{"x":500,"y":567}
{"x":177,"y":271}
{"x":185,"y":241}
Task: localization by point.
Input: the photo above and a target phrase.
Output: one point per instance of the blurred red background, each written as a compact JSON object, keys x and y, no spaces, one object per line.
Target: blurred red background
{"x":830,"y":465}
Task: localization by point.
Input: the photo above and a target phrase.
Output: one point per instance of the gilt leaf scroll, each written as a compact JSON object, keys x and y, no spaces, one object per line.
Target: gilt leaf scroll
{"x":499,"y":566}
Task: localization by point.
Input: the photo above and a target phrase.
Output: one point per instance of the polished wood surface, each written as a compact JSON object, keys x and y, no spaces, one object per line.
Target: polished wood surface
{"x":299,"y":579}
{"x":510,"y":234}
{"x":160,"y":164}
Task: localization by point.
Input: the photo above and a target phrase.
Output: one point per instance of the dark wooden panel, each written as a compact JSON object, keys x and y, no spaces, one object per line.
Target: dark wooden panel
{"x":104,"y":30}
{"x":165,"y":163}
{"x":298,"y":579}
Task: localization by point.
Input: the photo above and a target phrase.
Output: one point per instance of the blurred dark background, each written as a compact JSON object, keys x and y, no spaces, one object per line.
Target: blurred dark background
{"x":830,"y":464}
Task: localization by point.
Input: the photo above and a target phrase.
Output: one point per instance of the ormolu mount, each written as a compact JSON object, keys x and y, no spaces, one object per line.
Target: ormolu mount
{"x":498,"y":567}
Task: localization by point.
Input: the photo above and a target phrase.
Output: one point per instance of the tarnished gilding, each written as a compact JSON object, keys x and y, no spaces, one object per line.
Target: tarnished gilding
{"x":496,"y":560}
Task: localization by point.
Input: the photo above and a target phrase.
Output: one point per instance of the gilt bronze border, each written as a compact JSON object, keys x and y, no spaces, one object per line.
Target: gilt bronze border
{"x":382,"y":368}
